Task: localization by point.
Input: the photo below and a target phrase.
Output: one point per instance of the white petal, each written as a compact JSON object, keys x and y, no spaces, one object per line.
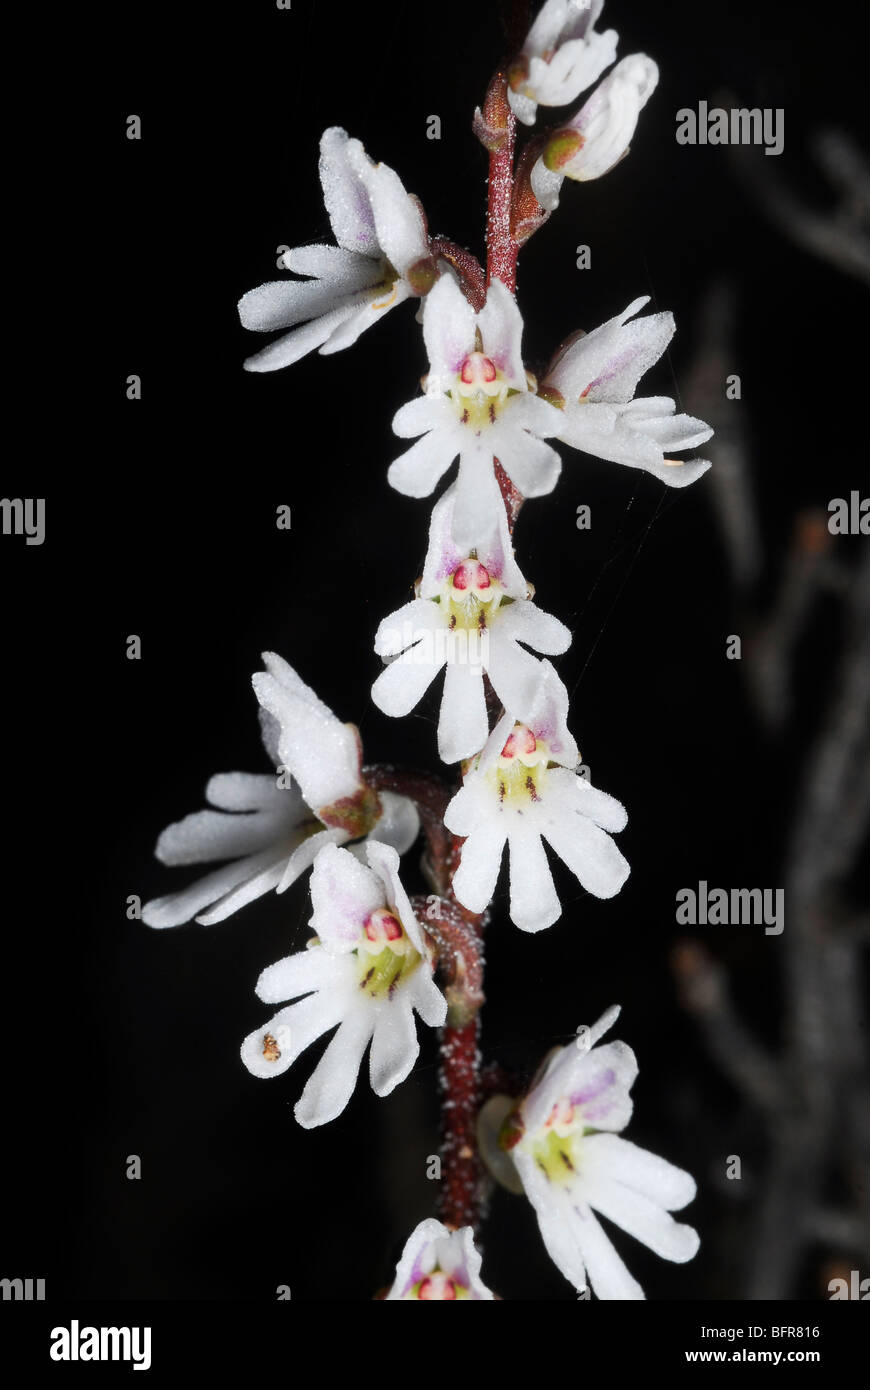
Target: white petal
{"x":607,"y":1273}
{"x":416,"y":472}
{"x":370,"y":308}
{"x":478,"y":507}
{"x":606,"y":1155}
{"x":175,"y":908}
{"x":532,"y":466}
{"x":597,"y":1082}
{"x":331,"y":1085}
{"x":384,"y":862}
{"x":501,"y":330}
{"x":344,"y":893}
{"x":497,"y":554}
{"x":475,"y":879}
{"x":415,"y":621}
{"x":589,"y":853}
{"x":608,"y":119}
{"x":206,"y":836}
{"x":298,"y":974}
{"x":552,"y":1209}
{"x":399,"y":226}
{"x":525,"y":622}
{"x":294,"y":345}
{"x":305,"y":854}
{"x":534,"y":902}
{"x":586,"y":800}
{"x":547,"y":718}
{"x":346,"y":270}
{"x":283,"y":303}
{"x":672,"y":432}
{"x":399,"y":822}
{"x":247,"y":791}
{"x":605,"y":366}
{"x":421,"y":414}
{"x":394,"y":1047}
{"x":573,"y":68}
{"x":523,"y":107}
{"x":291,"y":1031}
{"x":530,"y":412}
{"x":267,"y":878}
{"x":448,"y":331}
{"x":462,"y":726}
{"x":345,"y":195}
{"x":472,"y":803}
{"x":515,"y":676}
{"x":643,"y":1219}
{"x":443,"y":554}
{"x":405,"y":681}
{"x":426,"y":998}
{"x":320,"y":751}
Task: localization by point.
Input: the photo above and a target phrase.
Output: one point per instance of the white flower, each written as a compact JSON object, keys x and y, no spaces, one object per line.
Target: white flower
{"x":599,"y":135}
{"x":593,"y":380}
{"x":477,"y":405}
{"x":564,"y":1144}
{"x":522,"y":791}
{"x":471,"y":613}
{"x":268,"y":827}
{"x":382,"y":258}
{"x":368,"y":970}
{"x":438,"y":1265}
{"x":561,"y":57}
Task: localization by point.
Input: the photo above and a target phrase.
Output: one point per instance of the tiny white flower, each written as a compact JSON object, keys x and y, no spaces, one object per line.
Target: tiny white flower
{"x":561,"y":57}
{"x":563,"y":1139}
{"x":593,"y":380}
{"x":381,"y":259}
{"x":477,"y":405}
{"x":522,"y":791}
{"x":599,"y":135}
{"x":270,"y":828}
{"x":438,"y":1265}
{"x":471,"y":614}
{"x":368,"y":971}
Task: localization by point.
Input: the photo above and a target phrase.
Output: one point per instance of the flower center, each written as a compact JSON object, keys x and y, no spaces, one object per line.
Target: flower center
{"x":385,"y":953}
{"x":479,"y":390}
{"x":556,"y":1144}
{"x":438,"y":1286}
{"x":472,"y":596}
{"x":522,"y":766}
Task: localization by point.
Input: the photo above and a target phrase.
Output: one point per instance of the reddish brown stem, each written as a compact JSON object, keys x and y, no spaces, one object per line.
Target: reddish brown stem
{"x":460,"y":954}
{"x":459,"y":1079}
{"x":501,"y":249}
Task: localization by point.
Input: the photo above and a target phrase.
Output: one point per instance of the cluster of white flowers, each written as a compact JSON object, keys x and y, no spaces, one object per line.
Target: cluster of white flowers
{"x":369,"y":966}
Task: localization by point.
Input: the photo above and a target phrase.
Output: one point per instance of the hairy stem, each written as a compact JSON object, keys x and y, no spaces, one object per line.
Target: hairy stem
{"x":501,"y":249}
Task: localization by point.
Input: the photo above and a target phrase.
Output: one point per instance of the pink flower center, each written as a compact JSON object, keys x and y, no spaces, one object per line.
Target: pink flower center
{"x":561,"y":1117}
{"x":382,"y":927}
{"x":520,"y":744}
{"x":471,"y":577}
{"x":477,"y":371}
{"x":437,"y":1287}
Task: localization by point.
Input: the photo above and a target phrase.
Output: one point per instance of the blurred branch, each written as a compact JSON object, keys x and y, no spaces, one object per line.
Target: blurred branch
{"x":839,"y":236}
{"x":814,"y":1095}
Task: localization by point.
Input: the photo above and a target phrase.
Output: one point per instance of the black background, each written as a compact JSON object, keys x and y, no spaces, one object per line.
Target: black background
{"x":160,"y":522}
